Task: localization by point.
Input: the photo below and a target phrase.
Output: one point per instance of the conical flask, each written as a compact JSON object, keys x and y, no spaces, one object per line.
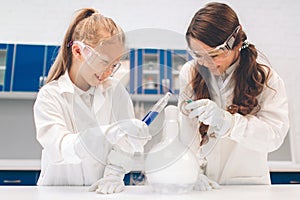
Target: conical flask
{"x":170,"y":166}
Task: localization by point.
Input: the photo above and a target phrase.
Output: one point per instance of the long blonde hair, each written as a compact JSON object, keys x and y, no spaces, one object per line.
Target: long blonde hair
{"x":88,"y":26}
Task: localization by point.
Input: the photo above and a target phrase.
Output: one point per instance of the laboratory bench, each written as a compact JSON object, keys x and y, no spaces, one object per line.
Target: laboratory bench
{"x":245,"y":192}
{"x":26,"y":172}
{"x":284,"y":172}
{"x":19,"y":171}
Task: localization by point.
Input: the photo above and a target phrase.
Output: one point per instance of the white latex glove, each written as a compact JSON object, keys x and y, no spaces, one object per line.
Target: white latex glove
{"x":129,"y":135}
{"x":204,"y":183}
{"x":210,"y":114}
{"x":112,"y":181}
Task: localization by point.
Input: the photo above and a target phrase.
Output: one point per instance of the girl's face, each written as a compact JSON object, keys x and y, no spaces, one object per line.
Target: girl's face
{"x":97,"y":64}
{"x":215,"y":59}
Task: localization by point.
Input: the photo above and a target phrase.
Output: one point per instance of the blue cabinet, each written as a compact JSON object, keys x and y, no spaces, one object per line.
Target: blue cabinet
{"x":51,"y":53}
{"x":28,"y":67}
{"x":23,"y":67}
{"x":30,"y":177}
{"x":285,"y":177}
{"x":175,"y":60}
{"x":134,"y":178}
{"x":6,"y":63}
{"x":155,"y":71}
{"x":146,"y":71}
{"x":19,"y":177}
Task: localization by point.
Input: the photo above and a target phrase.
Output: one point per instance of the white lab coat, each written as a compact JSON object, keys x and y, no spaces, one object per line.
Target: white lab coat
{"x":241,"y":156}
{"x":74,"y":147}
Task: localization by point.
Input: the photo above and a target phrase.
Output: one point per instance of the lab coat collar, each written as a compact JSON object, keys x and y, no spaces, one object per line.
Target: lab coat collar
{"x":106,"y":84}
{"x":67,"y":86}
{"x":232,"y":68}
{"x":79,"y":91}
{"x":229,"y":71}
{"x":100,"y":93}
{"x":224,"y":80}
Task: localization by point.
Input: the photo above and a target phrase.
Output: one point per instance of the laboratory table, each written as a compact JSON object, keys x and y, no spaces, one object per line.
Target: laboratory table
{"x":245,"y":192}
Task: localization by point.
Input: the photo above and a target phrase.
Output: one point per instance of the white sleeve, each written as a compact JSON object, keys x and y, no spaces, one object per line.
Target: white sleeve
{"x":61,"y":144}
{"x":50,"y":124}
{"x":68,"y":152}
{"x":266,"y":130}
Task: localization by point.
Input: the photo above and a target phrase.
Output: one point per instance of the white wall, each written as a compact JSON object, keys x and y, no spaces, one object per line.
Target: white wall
{"x":273,"y":25}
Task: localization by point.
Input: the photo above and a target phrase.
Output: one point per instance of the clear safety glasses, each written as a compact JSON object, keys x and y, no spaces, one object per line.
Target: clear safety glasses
{"x":97,"y":61}
{"x":221,"y":51}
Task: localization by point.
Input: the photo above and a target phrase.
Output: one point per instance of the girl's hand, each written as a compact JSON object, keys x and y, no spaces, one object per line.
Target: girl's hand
{"x":211,"y":114}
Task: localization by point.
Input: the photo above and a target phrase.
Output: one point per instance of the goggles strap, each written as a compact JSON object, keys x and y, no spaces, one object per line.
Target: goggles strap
{"x":231,"y":39}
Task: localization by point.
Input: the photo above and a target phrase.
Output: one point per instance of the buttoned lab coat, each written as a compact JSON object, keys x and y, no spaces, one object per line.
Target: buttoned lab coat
{"x":74,"y":147}
{"x":241,"y":156}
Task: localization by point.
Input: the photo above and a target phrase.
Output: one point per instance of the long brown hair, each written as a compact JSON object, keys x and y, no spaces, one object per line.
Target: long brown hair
{"x":88,"y":26}
{"x":212,"y":25}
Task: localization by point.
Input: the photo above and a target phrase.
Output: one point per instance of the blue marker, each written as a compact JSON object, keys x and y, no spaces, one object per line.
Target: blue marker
{"x":156,"y":109}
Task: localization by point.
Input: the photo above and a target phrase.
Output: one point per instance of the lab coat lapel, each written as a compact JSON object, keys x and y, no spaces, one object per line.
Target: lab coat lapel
{"x":102,"y":92}
{"x":99,"y":99}
{"x":83,"y":116}
{"x":70,"y":107}
{"x":67,"y":91}
{"x":228,"y":82}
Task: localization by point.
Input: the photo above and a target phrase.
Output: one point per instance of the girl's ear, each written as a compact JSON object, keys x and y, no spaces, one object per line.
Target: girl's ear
{"x":76,"y":51}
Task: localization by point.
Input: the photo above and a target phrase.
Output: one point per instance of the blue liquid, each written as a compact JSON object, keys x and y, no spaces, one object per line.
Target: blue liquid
{"x":149,"y":118}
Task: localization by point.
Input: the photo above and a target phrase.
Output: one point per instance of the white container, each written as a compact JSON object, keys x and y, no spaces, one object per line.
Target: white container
{"x":170,"y":166}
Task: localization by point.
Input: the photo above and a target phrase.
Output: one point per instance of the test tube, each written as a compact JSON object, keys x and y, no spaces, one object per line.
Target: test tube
{"x":186,"y":100}
{"x":156,"y":109}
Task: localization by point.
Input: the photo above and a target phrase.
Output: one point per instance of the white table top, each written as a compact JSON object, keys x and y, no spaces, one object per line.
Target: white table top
{"x":34,"y":164}
{"x":250,"y":192}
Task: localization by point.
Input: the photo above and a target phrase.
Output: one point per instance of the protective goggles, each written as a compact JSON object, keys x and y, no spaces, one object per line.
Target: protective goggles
{"x":221,"y":51}
{"x":95,"y":60}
